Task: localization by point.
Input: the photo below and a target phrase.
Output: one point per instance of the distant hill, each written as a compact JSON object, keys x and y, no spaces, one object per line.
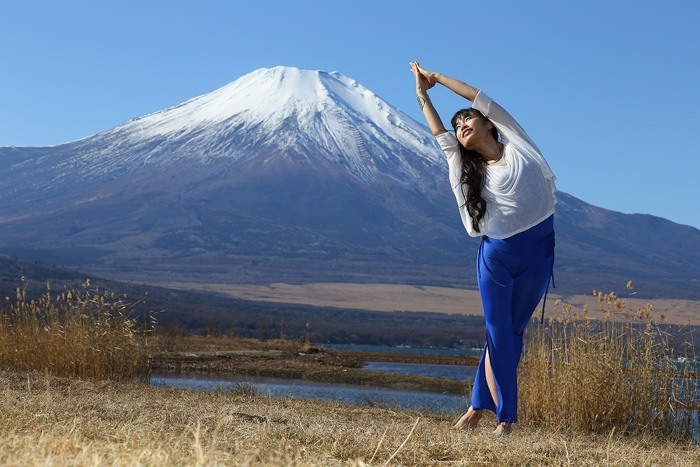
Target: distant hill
{"x":290,"y":175}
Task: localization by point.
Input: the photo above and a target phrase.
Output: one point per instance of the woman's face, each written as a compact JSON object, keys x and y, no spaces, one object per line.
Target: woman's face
{"x":471,"y":129}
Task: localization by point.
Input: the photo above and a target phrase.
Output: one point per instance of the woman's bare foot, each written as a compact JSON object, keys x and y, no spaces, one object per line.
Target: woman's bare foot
{"x":469,"y":420}
{"x":503,"y":429}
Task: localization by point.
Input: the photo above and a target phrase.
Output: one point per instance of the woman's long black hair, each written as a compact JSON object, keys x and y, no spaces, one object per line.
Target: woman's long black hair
{"x":473,"y":172}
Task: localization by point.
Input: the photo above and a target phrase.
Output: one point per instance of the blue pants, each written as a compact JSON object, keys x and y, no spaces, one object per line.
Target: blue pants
{"x":513,"y":274}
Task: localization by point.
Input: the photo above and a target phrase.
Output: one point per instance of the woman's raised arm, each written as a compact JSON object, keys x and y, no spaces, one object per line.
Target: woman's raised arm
{"x":455,"y":85}
{"x":429,"y":112}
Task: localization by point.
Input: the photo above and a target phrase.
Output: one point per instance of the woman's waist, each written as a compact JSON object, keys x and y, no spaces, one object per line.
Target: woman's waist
{"x":538,"y":237}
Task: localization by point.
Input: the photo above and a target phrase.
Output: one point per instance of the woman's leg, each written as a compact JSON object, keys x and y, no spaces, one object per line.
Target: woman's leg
{"x":490,"y":379}
{"x":471,"y":418}
{"x":512,"y":277}
{"x":481,"y":397}
{"x":504,"y":427}
{"x":494,"y":385}
{"x":502,"y":357}
{"x":528,"y":289}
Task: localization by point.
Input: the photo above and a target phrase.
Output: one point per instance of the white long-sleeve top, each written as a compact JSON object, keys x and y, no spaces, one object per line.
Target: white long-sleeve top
{"x":519,"y":189}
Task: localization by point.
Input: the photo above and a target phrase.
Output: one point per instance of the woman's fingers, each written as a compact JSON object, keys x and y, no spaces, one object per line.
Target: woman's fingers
{"x":421,"y":84}
{"x":427,"y":75}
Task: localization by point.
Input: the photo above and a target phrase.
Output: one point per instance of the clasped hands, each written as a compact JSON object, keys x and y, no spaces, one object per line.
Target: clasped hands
{"x":424,"y":79}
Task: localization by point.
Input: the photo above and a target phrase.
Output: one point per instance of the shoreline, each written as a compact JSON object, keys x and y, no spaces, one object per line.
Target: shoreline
{"x":300,"y":360}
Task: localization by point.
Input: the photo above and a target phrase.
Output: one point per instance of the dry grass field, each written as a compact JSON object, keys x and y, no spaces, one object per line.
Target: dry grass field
{"x":396,"y":297}
{"x":603,"y":390}
{"x":48,"y":420}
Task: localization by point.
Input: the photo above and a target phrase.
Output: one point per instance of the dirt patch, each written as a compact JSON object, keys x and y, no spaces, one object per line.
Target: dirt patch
{"x":374,"y":297}
{"x":397,"y":297}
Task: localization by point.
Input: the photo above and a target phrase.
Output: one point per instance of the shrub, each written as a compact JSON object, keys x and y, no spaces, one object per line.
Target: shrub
{"x":72,"y":333}
{"x":618,"y":372}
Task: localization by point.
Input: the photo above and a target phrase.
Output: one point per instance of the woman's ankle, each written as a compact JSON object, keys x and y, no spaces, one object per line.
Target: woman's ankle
{"x":503,"y":428}
{"x":469,"y":420}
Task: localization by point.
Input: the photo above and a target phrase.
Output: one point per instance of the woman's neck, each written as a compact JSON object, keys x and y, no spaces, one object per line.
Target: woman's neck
{"x":491,"y":151}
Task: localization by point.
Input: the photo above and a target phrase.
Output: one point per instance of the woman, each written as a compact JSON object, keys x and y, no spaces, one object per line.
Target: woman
{"x":506,"y":194}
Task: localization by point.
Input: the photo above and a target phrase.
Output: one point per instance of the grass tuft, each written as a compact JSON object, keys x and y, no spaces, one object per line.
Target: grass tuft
{"x":615,"y":373}
{"x":81,"y":333}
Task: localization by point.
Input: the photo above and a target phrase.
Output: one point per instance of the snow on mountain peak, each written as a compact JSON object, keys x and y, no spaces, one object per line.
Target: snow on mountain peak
{"x":280,"y":115}
{"x":328,"y":114}
{"x":262,"y":92}
{"x":263,"y":95}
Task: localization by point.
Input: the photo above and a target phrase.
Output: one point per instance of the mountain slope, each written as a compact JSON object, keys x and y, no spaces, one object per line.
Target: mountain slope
{"x":293,"y":175}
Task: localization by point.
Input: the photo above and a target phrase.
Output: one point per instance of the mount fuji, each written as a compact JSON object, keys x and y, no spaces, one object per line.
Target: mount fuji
{"x":295,"y":176}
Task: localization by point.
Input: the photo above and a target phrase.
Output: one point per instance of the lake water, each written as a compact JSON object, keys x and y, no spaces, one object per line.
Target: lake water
{"x":454,"y":372}
{"x":452,"y":352}
{"x":352,"y":394}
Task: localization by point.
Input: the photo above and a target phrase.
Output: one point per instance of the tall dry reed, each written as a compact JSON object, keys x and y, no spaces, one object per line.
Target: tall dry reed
{"x":615,"y":372}
{"x":84,"y":333}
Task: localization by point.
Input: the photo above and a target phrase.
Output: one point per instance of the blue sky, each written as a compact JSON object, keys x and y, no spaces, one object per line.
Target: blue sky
{"x":609,"y":90}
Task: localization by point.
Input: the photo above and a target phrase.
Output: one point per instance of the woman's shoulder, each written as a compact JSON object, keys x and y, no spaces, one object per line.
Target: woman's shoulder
{"x":449,"y":144}
{"x":447,"y":140}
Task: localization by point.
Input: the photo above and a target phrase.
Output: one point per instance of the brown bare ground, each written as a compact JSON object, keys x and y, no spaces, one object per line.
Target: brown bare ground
{"x":397,"y":297}
{"x":60,"y":421}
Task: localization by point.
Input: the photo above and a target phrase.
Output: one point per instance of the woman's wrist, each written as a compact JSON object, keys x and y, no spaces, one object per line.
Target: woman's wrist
{"x":422,"y":100}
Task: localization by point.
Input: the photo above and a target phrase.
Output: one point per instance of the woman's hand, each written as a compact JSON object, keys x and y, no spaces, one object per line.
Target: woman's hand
{"x":431,"y":76}
{"x":424,"y":79}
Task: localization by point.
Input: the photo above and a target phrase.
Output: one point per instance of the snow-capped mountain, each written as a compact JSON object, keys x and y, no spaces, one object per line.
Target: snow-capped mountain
{"x":266,"y":116}
{"x":287,"y":175}
{"x":278,"y":156}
